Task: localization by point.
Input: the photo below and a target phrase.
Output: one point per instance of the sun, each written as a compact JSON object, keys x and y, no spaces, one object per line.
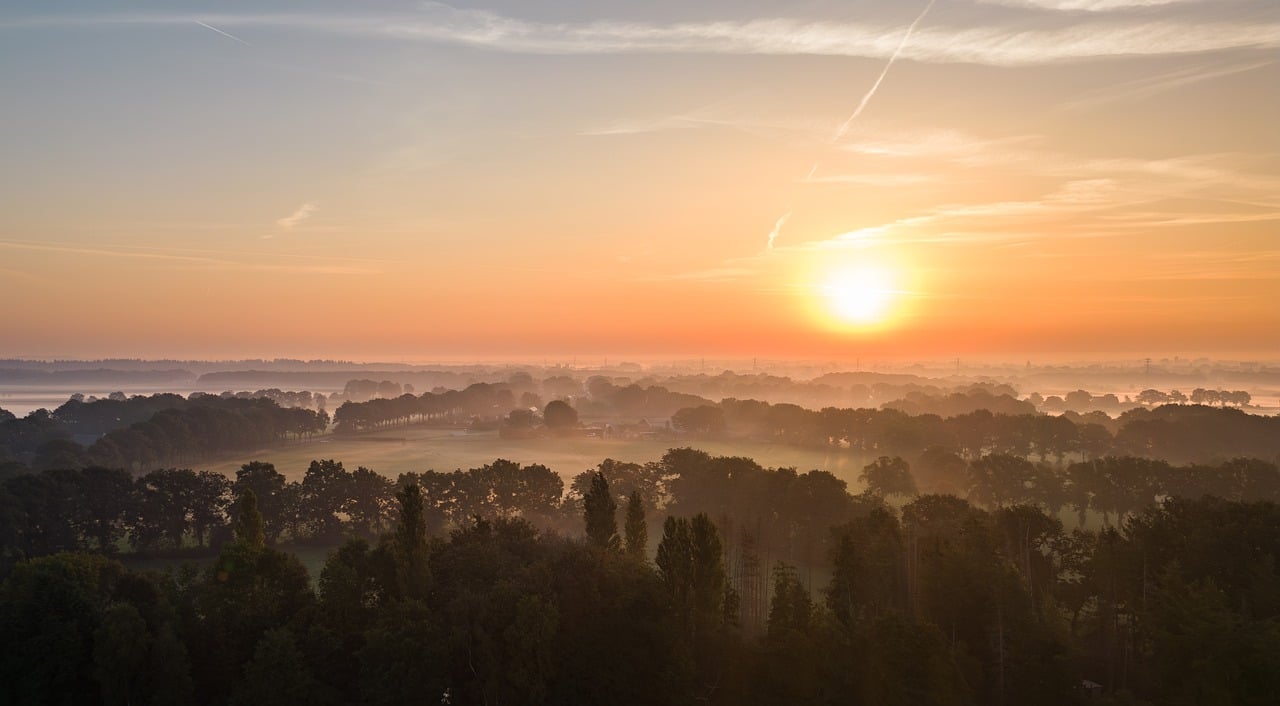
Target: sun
{"x":860,"y":296}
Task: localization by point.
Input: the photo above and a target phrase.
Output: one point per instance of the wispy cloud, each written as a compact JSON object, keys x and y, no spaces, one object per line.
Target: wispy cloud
{"x":194,"y":259}
{"x":1162,"y":83}
{"x":303,"y":213}
{"x":886,"y":179}
{"x":777,"y":229}
{"x":1010,"y":44}
{"x":8,"y":272}
{"x":714,"y":274}
{"x":1085,"y":5}
{"x":949,"y":145}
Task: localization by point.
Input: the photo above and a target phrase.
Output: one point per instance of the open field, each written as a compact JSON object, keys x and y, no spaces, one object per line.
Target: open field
{"x":448,"y":449}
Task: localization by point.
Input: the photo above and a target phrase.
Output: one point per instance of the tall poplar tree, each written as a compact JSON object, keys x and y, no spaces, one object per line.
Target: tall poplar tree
{"x":600,"y":514}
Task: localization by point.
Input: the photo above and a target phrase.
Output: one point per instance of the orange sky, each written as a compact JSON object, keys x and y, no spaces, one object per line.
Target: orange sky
{"x":1029,"y":177}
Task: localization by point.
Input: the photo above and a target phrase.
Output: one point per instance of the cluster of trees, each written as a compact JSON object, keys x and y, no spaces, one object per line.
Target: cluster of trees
{"x":1177,"y":433}
{"x":558,"y":417}
{"x":940,"y":602}
{"x":1083,"y":401}
{"x":957,"y":403}
{"x":495,"y":401}
{"x":107,"y":510}
{"x":144,"y":432}
{"x":208,"y":425}
{"x":285,"y":398}
{"x":482,"y":399}
{"x":1238,"y":398}
{"x":845,"y":389}
{"x":1112,"y":486}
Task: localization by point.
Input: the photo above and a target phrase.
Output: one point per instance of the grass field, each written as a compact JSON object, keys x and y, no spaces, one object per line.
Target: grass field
{"x":448,"y":449}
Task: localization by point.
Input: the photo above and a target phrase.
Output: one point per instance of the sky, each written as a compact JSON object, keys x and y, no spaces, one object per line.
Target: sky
{"x":878,"y":179}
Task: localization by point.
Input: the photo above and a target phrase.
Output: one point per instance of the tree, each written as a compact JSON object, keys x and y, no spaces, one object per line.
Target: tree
{"x":120,"y":655}
{"x":559,"y":416}
{"x":790,"y":608}
{"x":413,"y":575}
{"x":369,"y":501}
{"x":49,"y":609}
{"x":637,"y":530}
{"x":1151,"y":397}
{"x":268,"y":485}
{"x":209,"y":504}
{"x":324,"y":493}
{"x":705,"y":420}
{"x":600,"y":513}
{"x":403,"y":658}
{"x":888,"y":476}
{"x":278,"y":674}
{"x":105,"y":500}
{"x":248,"y":527}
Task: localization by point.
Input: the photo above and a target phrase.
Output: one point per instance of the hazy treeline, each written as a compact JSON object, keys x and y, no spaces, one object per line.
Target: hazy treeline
{"x":494,"y":401}
{"x":38,"y":377}
{"x":1083,"y":401}
{"x":142,"y":433}
{"x":1177,"y":433}
{"x":938,"y":603}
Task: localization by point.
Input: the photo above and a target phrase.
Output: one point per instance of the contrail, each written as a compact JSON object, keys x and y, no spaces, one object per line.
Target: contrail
{"x":225,"y":34}
{"x":844,"y":127}
{"x":777,"y":228}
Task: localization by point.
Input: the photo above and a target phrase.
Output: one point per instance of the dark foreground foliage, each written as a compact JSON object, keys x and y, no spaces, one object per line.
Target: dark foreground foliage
{"x":937,"y":603}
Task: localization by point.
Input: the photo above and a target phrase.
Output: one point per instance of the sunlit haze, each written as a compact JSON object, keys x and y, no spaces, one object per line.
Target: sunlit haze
{"x":515,"y":180}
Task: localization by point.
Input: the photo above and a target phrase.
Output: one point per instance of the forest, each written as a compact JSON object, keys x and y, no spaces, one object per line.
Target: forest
{"x":984,"y":558}
{"x":497,"y":584}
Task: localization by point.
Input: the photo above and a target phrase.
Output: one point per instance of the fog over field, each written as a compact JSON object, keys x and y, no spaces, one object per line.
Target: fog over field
{"x":495,"y":352}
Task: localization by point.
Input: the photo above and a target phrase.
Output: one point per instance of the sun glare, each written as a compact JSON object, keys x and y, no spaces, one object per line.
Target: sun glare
{"x":861,"y":296}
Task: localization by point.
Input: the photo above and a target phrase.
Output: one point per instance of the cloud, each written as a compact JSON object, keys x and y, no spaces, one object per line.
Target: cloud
{"x":875,"y":179}
{"x":777,"y":229}
{"x":303,"y":213}
{"x":950,"y":146}
{"x":991,"y":43}
{"x":195,"y":259}
{"x":1155,"y":85}
{"x":1085,"y":5}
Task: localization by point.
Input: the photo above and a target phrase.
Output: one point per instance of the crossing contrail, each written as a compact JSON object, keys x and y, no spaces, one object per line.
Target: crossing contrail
{"x":862,"y":105}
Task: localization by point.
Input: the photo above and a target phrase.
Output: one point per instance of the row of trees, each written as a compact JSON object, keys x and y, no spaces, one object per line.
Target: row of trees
{"x":490,"y":400}
{"x":940,"y":603}
{"x":774,"y":514}
{"x":105,"y":510}
{"x":1113,"y":486}
{"x":1200,"y":395}
{"x":1176,"y":433}
{"x":493,"y":401}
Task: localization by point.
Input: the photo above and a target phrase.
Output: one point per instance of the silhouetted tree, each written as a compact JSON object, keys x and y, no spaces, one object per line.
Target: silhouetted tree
{"x":888,"y":476}
{"x":559,"y":416}
{"x":600,"y":514}
{"x":637,"y":530}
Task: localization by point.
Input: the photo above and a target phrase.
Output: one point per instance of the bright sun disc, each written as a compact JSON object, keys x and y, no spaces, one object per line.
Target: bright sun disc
{"x":859,"y":296}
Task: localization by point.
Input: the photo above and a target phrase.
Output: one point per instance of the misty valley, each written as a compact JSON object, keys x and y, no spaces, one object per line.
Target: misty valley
{"x":944,"y":540}
{"x":577,"y":353}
